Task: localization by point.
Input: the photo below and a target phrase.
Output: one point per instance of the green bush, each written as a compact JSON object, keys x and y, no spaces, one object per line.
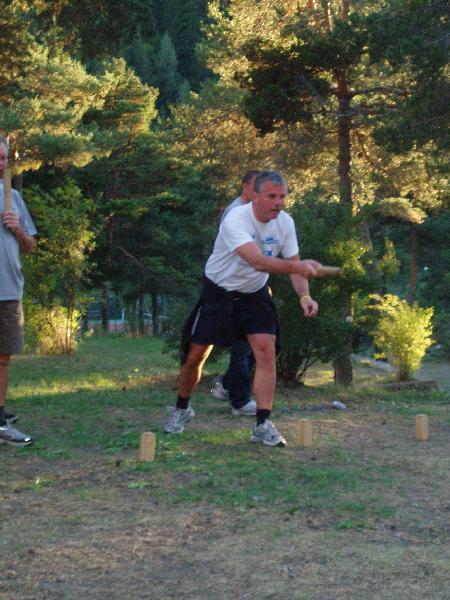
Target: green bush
{"x":305,"y":341}
{"x":403,"y":332}
{"x":51,"y":330}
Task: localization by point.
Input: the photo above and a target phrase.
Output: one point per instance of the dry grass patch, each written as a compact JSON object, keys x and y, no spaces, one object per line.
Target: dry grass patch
{"x":364,"y":513}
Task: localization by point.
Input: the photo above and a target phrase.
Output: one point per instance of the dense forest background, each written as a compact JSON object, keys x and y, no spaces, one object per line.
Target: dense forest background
{"x":132,"y":122}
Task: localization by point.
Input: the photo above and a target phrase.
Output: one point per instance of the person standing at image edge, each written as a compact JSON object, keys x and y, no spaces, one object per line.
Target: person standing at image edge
{"x":17,"y":233}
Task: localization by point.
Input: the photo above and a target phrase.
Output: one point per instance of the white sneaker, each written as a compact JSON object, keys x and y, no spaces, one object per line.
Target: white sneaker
{"x":178,"y":419}
{"x":248,"y":410}
{"x":13,"y":437}
{"x":267,"y":434}
{"x":218,"y":391}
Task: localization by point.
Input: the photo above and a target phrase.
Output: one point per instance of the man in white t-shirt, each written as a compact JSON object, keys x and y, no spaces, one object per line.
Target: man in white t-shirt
{"x":236,"y":303}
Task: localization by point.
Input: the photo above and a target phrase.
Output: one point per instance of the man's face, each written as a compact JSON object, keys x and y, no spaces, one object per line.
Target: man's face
{"x":269,"y":201}
{"x":3,"y":158}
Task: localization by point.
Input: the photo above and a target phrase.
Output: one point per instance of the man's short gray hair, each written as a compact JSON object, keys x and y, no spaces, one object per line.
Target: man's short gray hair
{"x":4,"y":141}
{"x":271,"y":176}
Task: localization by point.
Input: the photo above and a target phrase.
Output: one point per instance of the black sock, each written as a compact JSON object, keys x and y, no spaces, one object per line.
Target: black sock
{"x":2,"y":417}
{"x":182,"y":403}
{"x":261,"y":415}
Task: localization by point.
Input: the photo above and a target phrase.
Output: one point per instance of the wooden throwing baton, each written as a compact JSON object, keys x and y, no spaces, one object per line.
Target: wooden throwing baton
{"x":7,"y":195}
{"x":323,"y":270}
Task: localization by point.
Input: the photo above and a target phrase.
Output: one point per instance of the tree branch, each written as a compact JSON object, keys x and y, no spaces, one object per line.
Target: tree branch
{"x":381,"y":88}
{"x":361,"y":143}
{"x":136,"y":261}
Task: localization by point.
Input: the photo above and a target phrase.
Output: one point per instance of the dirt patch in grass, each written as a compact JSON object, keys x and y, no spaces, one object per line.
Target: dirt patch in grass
{"x":78,"y":529}
{"x":365,"y":513}
{"x":126,"y":546}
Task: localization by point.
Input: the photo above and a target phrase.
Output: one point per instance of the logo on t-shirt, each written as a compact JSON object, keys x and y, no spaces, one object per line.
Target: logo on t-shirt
{"x":268,"y":243}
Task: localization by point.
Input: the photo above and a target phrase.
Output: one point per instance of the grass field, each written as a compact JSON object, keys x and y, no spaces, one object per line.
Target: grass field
{"x":364,"y":514}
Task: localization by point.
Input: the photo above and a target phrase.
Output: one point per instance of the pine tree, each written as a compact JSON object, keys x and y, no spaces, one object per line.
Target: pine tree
{"x":182,"y":20}
{"x":141,"y":56}
{"x":16,"y":42}
{"x":94,"y":30}
{"x":308,"y":65}
{"x":169,"y":80}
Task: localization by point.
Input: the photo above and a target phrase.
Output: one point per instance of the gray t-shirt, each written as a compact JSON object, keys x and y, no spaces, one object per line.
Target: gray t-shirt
{"x":11,"y":277}
{"x":236,"y":202}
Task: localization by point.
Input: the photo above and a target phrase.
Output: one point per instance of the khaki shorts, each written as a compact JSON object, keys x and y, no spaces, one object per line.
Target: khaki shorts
{"x":11,"y":326}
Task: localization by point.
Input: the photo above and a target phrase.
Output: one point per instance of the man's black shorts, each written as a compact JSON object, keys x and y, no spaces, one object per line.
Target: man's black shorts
{"x":224,"y":321}
{"x":11,"y":327}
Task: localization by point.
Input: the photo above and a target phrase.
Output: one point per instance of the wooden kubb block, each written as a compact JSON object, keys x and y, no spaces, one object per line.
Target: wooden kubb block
{"x":421,"y":428}
{"x":305,"y":433}
{"x":147,"y":447}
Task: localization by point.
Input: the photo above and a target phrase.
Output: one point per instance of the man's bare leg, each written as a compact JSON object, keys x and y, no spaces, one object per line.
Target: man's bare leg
{"x":190,"y":373}
{"x":263,"y":347}
{"x":191,"y":369}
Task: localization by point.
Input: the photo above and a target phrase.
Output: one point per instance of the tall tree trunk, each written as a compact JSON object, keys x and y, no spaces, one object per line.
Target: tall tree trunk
{"x":412,"y":264}
{"x":343,"y":362}
{"x":140,"y":319}
{"x":131,"y":317}
{"x":108,"y":259}
{"x":155,"y":314}
{"x":70,"y":302}
{"x":105,"y":310}
{"x":372,"y":264}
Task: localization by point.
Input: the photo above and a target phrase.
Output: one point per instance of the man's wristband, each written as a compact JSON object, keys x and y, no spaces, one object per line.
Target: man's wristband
{"x":305,"y":296}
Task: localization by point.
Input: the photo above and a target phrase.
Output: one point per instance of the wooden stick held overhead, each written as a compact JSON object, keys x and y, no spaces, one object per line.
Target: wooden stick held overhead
{"x":7,"y":194}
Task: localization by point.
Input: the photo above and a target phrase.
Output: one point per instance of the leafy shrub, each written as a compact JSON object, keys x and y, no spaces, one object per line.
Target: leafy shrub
{"x":305,"y":341}
{"x":51,"y":330}
{"x":403,"y":332}
{"x":57,"y":269}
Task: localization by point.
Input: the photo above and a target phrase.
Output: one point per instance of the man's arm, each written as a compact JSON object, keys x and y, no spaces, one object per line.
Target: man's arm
{"x":26,"y":242}
{"x":301,"y":286}
{"x":298,"y":270}
{"x":252,"y":254}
